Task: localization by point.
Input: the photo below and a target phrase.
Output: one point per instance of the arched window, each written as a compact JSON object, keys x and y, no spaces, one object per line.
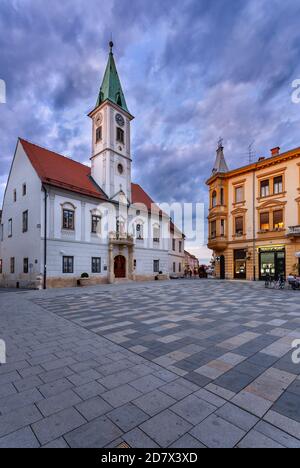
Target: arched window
{"x":139,"y":231}
{"x":214,"y":199}
{"x":96,"y":222}
{"x":120,"y":227}
{"x":156,"y":233}
{"x":68,"y":216}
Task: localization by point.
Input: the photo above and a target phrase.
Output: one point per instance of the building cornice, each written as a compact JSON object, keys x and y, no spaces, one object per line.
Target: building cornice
{"x":257,"y":166}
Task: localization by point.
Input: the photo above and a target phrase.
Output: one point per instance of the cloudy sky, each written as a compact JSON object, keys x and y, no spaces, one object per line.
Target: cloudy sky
{"x":192,"y":71}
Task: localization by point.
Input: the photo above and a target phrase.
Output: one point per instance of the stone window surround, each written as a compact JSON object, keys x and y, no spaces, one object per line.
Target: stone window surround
{"x":68,"y":206}
{"x":270,"y":210}
{"x":95,"y":212}
{"x":270,"y":176}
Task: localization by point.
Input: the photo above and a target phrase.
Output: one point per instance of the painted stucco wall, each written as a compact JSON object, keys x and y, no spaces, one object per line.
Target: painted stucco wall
{"x":21,"y":245}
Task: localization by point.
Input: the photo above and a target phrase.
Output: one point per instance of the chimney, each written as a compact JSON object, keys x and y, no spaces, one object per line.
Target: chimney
{"x":275,"y":151}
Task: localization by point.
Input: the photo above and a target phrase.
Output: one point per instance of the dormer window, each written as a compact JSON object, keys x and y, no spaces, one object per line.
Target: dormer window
{"x":98,"y":134}
{"x":120,"y":135}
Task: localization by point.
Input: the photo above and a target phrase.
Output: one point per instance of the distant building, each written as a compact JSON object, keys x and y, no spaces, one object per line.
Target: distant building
{"x":254,"y":216}
{"x":191,"y":262}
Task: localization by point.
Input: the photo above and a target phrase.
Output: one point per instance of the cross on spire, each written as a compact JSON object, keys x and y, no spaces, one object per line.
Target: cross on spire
{"x":220,"y":142}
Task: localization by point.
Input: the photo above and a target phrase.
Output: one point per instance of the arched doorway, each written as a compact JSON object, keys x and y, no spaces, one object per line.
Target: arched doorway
{"x":120,"y":267}
{"x":222,"y":267}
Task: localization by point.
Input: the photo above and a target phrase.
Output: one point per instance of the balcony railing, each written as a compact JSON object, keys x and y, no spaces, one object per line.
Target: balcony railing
{"x":294,"y":231}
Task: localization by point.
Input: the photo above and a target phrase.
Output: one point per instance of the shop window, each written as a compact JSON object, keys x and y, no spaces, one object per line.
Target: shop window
{"x":240,"y":264}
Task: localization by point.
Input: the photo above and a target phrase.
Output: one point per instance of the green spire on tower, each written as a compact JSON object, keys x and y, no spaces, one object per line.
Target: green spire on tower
{"x":111,"y":88}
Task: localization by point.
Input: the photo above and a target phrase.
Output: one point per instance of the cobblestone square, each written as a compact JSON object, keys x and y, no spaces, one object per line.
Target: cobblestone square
{"x":201,"y":363}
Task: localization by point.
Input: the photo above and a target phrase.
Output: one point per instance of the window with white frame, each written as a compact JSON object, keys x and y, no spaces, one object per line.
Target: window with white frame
{"x":96,"y":224}
{"x":139,"y":231}
{"x":68,"y":221}
{"x":156,"y":234}
{"x":68,"y":265}
{"x":96,"y":265}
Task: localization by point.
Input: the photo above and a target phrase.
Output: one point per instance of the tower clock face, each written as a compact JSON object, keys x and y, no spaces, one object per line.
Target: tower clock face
{"x":120,"y":120}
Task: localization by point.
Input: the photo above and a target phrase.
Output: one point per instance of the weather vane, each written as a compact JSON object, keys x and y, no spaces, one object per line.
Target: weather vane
{"x":220,"y":142}
{"x":111,"y":44}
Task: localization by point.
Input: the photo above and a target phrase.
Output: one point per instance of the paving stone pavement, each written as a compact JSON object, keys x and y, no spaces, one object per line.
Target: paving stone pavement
{"x":178,"y":364}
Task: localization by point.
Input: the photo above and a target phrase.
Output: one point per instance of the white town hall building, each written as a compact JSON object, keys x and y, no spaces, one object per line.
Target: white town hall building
{"x":61,"y":219}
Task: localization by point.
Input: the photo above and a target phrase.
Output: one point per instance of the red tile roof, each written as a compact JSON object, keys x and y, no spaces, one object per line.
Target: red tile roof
{"x":60,"y":171}
{"x":140,"y":196}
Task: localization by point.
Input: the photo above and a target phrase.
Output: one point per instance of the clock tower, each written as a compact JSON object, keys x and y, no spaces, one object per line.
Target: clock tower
{"x":111,"y":152}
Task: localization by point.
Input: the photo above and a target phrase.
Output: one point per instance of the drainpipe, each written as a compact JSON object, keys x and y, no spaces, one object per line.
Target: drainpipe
{"x":254,"y":228}
{"x":45,"y":238}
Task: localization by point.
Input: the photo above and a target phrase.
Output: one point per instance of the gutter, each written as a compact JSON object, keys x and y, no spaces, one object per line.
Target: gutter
{"x":45,"y":238}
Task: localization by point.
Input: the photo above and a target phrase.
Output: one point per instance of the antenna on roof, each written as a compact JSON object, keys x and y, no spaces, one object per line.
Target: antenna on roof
{"x":251,"y":153}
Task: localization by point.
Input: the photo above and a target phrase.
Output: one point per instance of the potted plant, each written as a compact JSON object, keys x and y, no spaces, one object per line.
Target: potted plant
{"x":84,"y":280}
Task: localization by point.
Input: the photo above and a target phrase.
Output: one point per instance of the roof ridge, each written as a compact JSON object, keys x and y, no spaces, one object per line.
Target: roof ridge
{"x":53,"y":152}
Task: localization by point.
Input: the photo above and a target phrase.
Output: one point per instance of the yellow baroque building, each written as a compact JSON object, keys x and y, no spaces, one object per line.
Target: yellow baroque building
{"x":254,"y":217}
